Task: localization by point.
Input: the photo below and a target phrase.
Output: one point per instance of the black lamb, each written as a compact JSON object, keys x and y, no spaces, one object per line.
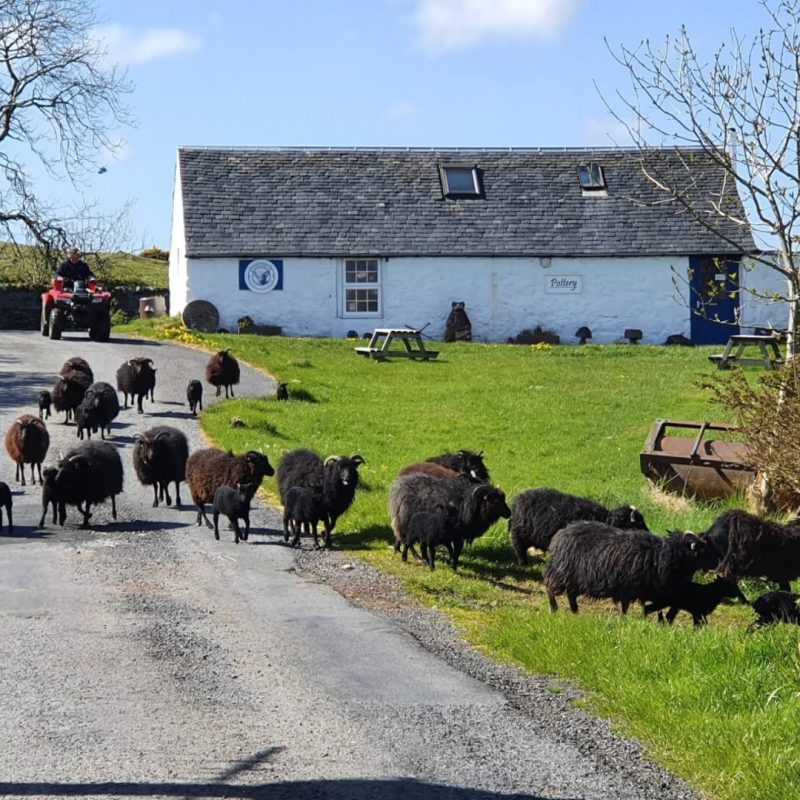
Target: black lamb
{"x":208,"y":469}
{"x":69,"y":390}
{"x":233,"y":503}
{"x":194,"y":396}
{"x":751,"y":547}
{"x":777,"y":606}
{"x":45,"y":400}
{"x":136,"y":377}
{"x":479,"y":507}
{"x":337,"y":475}
{"x":27,"y":442}
{"x":282,"y":392}
{"x":50,"y":498}
{"x":431,"y":529}
{"x":537,"y":514}
{"x":223,"y":370}
{"x":699,"y":599}
{"x":89,"y":473}
{"x":159,"y":458}
{"x":6,"y":503}
{"x":597,"y":560}
{"x":302,"y":512}
{"x":465,"y":462}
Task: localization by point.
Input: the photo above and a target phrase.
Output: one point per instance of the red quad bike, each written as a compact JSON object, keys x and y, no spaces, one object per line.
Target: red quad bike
{"x":77,"y":305}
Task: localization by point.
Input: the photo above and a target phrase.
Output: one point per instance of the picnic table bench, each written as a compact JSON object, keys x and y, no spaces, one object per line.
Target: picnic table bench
{"x":732,"y":355}
{"x":379,"y":346}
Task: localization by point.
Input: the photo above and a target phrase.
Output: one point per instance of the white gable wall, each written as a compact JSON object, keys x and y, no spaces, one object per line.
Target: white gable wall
{"x":756,"y":310}
{"x":178,"y":263}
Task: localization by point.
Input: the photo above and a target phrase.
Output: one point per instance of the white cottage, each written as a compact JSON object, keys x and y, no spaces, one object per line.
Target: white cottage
{"x":324,"y":241}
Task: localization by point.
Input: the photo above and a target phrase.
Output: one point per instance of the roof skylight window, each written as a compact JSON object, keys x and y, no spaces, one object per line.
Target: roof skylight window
{"x":591,"y":177}
{"x":459,"y":180}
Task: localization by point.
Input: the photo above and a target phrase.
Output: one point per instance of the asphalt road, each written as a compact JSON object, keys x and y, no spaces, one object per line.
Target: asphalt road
{"x":143,"y":658}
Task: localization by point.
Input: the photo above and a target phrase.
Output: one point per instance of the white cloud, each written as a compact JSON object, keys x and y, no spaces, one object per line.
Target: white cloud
{"x":453,"y":24}
{"x":402,"y":109}
{"x":130,"y":47}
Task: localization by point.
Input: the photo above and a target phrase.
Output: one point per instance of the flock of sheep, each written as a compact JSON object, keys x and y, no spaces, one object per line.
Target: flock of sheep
{"x":594,"y":551}
{"x":444,"y":502}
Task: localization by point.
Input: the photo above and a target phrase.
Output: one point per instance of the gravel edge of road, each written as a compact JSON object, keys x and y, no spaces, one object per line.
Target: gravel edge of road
{"x":549,"y":700}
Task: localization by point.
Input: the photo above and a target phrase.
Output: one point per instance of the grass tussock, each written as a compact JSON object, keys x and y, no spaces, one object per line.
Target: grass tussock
{"x":718,"y":705}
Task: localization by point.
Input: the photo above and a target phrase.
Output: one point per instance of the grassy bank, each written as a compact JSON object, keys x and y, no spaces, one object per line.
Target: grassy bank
{"x":719,"y":706}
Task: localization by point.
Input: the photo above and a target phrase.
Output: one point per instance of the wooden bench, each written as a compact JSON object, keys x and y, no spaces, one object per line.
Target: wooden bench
{"x":732,"y":356}
{"x":379,"y":346}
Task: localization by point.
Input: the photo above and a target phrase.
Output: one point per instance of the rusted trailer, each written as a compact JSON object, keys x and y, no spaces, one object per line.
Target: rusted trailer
{"x":694,"y":465}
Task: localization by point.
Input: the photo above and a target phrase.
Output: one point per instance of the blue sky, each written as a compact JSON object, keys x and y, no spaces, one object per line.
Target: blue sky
{"x":487,"y":73}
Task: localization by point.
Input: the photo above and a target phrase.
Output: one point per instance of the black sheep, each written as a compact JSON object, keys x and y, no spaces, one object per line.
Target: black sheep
{"x":751,"y":547}
{"x":537,"y":514}
{"x":223,"y":370}
{"x":233,"y":503}
{"x":777,"y":606}
{"x":100,"y":405}
{"x":208,"y":469}
{"x":50,"y":498}
{"x":79,"y":364}
{"x":45,"y":400}
{"x":136,"y":377}
{"x":89,"y":473}
{"x":465,"y":462}
{"x":597,"y":560}
{"x":159,"y":458}
{"x":27,"y":442}
{"x":194,"y":396}
{"x":282,"y":392}
{"x":337,"y":475}
{"x":699,"y":599}
{"x":479,"y":506}
{"x":6,"y":503}
{"x":304,"y":509}
{"x":431,"y":529}
{"x":69,"y":390}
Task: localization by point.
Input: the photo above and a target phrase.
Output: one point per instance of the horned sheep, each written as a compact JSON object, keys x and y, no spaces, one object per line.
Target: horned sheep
{"x":159,"y":458}
{"x":337,"y":477}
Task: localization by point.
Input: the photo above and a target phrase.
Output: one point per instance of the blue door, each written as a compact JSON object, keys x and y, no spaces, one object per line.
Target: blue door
{"x":714,"y":298}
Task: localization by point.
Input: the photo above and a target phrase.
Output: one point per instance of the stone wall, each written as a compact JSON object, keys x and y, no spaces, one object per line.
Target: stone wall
{"x":20,"y":309}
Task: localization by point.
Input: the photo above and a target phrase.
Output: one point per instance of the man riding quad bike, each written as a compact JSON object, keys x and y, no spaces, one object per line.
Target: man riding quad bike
{"x":74,"y":300}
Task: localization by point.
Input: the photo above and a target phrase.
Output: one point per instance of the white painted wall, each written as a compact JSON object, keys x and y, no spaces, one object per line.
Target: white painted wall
{"x":761,"y":312}
{"x":502,"y":296}
{"x":178,"y":264}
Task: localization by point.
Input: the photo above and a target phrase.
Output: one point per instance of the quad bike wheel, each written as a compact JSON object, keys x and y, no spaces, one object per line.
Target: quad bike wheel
{"x":101,"y":331}
{"x":45,"y":325}
{"x":56,"y":323}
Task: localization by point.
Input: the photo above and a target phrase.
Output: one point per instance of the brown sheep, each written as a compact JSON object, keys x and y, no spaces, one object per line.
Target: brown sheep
{"x":207,"y":470}
{"x":69,"y":390}
{"x":429,"y":468}
{"x":223,"y":370}
{"x":27,"y":441}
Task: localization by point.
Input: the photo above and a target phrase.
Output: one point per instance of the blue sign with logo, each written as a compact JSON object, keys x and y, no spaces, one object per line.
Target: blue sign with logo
{"x":260,"y":275}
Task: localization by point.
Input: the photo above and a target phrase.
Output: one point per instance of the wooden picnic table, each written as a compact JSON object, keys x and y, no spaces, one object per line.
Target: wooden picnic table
{"x":732,"y":355}
{"x":379,"y":346}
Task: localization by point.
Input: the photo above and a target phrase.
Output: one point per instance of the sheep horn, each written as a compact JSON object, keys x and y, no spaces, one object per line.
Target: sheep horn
{"x":138,"y":437}
{"x":357,"y":459}
{"x":160,"y":435}
{"x":332,"y":460}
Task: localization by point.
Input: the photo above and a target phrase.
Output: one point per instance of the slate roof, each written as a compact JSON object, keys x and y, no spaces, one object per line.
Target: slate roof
{"x":385,"y":202}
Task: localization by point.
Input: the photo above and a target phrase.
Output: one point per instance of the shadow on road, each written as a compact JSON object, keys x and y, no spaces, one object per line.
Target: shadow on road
{"x":25,"y":384}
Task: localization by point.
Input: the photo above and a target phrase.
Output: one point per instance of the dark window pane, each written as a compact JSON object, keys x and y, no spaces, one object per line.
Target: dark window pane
{"x":591,"y":176}
{"x":460,"y":180}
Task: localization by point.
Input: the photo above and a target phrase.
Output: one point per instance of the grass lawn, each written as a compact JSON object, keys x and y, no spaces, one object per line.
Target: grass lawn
{"x":123,"y":269}
{"x":719,"y":706}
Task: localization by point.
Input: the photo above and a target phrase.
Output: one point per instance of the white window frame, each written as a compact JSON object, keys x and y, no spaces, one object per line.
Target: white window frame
{"x":362,"y":285}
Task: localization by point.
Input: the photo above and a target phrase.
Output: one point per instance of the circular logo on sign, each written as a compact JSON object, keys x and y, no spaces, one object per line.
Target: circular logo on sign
{"x":260,"y":276}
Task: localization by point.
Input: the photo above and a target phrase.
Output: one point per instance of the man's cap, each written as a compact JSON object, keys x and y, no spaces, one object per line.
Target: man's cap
{"x":74,"y":250}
